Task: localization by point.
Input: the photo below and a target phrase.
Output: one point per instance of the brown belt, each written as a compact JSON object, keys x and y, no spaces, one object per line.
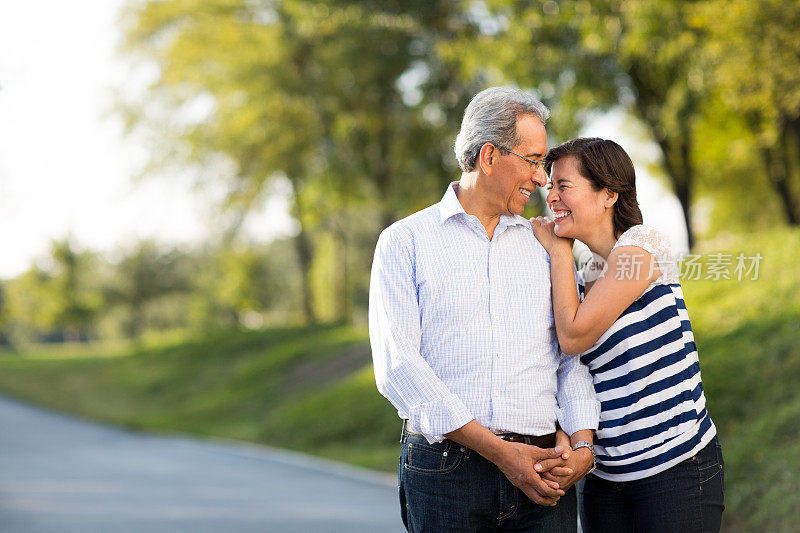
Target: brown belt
{"x":540,"y":441}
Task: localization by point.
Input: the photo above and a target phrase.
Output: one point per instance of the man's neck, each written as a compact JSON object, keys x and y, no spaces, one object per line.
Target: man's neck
{"x":474,"y":202}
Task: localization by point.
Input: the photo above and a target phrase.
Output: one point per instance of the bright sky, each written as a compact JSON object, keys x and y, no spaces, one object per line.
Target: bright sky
{"x":660,"y":207}
{"x":65,"y":167}
{"x":67,"y":170}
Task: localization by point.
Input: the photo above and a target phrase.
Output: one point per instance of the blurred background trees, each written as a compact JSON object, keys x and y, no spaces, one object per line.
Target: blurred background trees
{"x":353,"y":108}
{"x":348,"y":111}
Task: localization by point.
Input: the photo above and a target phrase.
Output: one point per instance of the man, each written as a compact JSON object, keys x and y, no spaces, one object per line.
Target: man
{"x":464,"y":343}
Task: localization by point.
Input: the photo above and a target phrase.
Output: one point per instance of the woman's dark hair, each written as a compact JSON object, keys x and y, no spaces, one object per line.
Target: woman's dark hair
{"x":607,"y":166}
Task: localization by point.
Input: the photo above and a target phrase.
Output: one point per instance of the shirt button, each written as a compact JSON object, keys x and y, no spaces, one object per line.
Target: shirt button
{"x":499,"y":354}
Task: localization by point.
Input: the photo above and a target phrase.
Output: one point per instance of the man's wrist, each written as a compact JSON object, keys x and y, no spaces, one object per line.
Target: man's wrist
{"x":497,"y":451}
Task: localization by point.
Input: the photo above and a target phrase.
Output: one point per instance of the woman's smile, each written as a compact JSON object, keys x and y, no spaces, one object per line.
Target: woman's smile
{"x":560,"y":214}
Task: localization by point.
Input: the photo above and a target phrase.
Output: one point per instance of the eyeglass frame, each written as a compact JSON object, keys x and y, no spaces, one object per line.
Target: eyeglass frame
{"x":535,"y":164}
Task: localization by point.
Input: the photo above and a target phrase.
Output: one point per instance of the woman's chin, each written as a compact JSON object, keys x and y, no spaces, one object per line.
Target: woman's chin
{"x":561,"y":231}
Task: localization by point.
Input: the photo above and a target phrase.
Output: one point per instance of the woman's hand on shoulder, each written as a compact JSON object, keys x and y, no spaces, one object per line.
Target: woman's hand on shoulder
{"x":544,"y":230}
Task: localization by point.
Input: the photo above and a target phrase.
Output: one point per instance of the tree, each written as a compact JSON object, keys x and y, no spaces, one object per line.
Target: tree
{"x":588,"y":56}
{"x":55,"y":301}
{"x":235,"y":57}
{"x":141,"y":277}
{"x":75,"y":305}
{"x":27,"y":312}
{"x":341,"y":92}
{"x":756,"y":56}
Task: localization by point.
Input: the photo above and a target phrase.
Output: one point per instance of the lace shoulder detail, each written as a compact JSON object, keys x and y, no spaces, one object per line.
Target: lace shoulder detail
{"x":655,"y":242}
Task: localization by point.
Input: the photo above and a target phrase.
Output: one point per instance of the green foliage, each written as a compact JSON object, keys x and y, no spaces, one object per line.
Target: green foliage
{"x":755,"y":51}
{"x":26,"y":310}
{"x":144,"y":276}
{"x":756,"y":54}
{"x":245,"y":284}
{"x":58,"y":301}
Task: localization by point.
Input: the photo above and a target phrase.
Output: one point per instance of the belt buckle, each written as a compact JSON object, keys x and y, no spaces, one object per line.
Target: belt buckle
{"x":513,"y":437}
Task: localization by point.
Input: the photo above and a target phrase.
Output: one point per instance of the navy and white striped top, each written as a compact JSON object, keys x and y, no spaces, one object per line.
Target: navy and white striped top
{"x":646,"y":375}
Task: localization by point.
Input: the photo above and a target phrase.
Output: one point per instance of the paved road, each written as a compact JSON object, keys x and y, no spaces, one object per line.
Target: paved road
{"x":62,"y":474}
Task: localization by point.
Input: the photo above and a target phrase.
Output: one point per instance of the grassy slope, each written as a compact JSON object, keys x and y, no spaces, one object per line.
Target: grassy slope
{"x":748,"y":337}
{"x":307,"y":389}
{"x":312,"y":389}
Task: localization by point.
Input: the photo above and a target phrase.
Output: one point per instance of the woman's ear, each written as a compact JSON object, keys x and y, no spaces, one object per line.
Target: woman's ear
{"x":610,"y":198}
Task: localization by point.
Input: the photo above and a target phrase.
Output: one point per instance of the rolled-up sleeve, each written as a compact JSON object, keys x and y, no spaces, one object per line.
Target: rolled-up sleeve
{"x":578,"y":407}
{"x":401,"y":373}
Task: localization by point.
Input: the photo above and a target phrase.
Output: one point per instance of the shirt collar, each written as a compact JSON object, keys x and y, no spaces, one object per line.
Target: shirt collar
{"x":450,"y":206}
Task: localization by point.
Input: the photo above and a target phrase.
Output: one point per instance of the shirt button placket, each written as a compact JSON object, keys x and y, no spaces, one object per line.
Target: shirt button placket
{"x":495,"y":307}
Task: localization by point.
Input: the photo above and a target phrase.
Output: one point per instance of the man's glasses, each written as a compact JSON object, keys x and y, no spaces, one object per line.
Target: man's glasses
{"x":534,"y":163}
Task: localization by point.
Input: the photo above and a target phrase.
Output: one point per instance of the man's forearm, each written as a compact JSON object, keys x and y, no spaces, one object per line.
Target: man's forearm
{"x":477,"y":437}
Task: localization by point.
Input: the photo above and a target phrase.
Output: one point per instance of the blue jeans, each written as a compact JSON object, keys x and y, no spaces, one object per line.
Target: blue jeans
{"x":447,"y":487}
{"x":685,"y":498}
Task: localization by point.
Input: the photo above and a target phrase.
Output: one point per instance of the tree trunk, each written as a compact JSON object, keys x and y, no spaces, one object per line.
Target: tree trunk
{"x":683,"y":192}
{"x":786,"y":165}
{"x":136,"y":324}
{"x":678,"y":165}
{"x":383,"y":172}
{"x":684,"y":179}
{"x":346,"y":312}
{"x":794,"y":124}
{"x":675,"y":146}
{"x":776,"y":165}
{"x":778,"y":177}
{"x":305,"y":256}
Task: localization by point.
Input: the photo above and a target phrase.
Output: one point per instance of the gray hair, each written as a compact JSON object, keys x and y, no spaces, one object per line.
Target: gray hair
{"x":491,"y":117}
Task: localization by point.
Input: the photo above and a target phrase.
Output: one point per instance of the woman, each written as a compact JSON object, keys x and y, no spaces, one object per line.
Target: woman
{"x":659,"y":464}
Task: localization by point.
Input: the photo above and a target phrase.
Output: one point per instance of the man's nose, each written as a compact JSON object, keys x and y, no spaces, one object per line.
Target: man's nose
{"x":539,"y":176}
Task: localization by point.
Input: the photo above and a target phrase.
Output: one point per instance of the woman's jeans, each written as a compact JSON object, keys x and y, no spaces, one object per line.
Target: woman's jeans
{"x":685,"y":498}
{"x":447,"y":487}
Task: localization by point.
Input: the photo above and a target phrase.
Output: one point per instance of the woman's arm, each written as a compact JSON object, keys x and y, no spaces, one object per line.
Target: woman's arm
{"x":630,"y":271}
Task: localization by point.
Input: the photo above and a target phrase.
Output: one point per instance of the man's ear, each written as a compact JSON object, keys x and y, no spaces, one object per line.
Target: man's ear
{"x":610,"y":198}
{"x":487,"y":158}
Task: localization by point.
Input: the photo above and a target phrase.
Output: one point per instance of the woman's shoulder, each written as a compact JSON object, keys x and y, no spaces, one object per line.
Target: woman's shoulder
{"x":648,"y":238}
{"x":656,"y":243}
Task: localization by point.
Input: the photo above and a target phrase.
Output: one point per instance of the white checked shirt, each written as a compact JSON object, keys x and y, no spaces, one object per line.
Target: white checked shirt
{"x":462,"y":328}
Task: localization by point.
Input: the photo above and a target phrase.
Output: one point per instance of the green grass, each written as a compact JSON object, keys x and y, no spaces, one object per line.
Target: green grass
{"x":748,"y":337}
{"x":311,"y":389}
